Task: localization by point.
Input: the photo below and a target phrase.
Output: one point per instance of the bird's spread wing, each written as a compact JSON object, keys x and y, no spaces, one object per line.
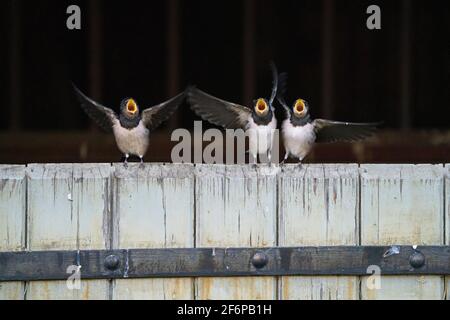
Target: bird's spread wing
{"x":154,"y":116}
{"x":103,"y":116}
{"x":282,"y":85}
{"x":274,"y":83}
{"x":219,"y":112}
{"x":333,"y":131}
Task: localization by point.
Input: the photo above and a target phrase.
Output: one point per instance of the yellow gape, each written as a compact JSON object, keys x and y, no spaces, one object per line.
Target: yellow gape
{"x":131,"y":106}
{"x":299,"y":107}
{"x":261,"y":107}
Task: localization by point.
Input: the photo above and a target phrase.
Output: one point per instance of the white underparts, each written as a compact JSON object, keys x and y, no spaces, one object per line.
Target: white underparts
{"x":298,"y":140}
{"x":261,"y":136}
{"x":132,"y":141}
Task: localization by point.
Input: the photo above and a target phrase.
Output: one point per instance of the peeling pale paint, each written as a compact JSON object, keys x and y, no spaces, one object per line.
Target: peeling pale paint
{"x":246,"y":208}
{"x":327,"y":219}
{"x":158,"y":211}
{"x":406,"y":211}
{"x":12,"y":221}
{"x":96,"y":205}
{"x":76,"y":224}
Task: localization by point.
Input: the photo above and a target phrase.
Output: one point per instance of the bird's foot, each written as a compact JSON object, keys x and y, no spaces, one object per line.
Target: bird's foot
{"x":254,"y":160}
{"x":141,"y":165}
{"x":125,"y":163}
{"x":286,"y":156}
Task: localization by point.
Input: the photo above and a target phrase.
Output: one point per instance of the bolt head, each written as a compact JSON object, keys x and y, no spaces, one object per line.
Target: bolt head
{"x":112,"y":262}
{"x":260,"y":260}
{"x":417,"y":260}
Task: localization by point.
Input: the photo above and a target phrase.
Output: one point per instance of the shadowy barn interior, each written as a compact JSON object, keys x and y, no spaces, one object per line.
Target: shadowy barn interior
{"x":379,"y":206}
{"x":151,"y":50}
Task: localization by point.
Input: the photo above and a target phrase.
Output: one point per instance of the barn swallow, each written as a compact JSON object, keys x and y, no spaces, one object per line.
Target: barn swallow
{"x":259,"y":121}
{"x":131,"y":128}
{"x":300,"y":132}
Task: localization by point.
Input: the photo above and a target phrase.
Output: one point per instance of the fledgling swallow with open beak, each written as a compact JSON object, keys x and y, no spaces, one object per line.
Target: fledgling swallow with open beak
{"x":260,"y":118}
{"x":300,"y":132}
{"x":131,"y":128}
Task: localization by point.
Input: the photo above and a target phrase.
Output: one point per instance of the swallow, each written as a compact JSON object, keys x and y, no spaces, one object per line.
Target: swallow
{"x":258,"y":121}
{"x":131,"y":128}
{"x":300,"y":132}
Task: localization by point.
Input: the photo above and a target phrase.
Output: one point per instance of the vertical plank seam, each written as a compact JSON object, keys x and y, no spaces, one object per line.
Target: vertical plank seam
{"x":26,"y":238}
{"x":359,"y":207}
{"x":280,"y":182}
{"x":160,"y":180}
{"x":378,"y":210}
{"x":195,"y":281}
{"x":72,"y":192}
{"x":443,"y":181}
{"x":359,"y":224}
{"x":277,"y":231}
{"x":115,"y":217}
{"x":444,"y":204}
{"x":445,"y":221}
{"x":111,"y":208}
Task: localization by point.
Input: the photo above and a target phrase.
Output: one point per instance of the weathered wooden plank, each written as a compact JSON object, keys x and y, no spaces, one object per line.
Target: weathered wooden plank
{"x":236,"y":206}
{"x":154,"y":207}
{"x":12,"y":221}
{"x":318,"y":205}
{"x":68,"y":208}
{"x":447,"y":220}
{"x":402,"y":204}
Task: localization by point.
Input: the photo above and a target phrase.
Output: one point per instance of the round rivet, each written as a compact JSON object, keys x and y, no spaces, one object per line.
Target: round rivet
{"x":417,"y":260}
{"x":259,"y":260}
{"x":112,"y":262}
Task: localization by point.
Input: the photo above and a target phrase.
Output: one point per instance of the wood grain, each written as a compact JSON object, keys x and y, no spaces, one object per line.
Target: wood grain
{"x":99,"y":206}
{"x":12,"y":221}
{"x":68,"y":208}
{"x":236,"y":206}
{"x":318,"y":205}
{"x":154,"y":208}
{"x":402,"y":204}
{"x":447,"y":221}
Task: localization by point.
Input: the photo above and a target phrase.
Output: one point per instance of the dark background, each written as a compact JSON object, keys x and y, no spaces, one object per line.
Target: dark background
{"x":151,"y":50}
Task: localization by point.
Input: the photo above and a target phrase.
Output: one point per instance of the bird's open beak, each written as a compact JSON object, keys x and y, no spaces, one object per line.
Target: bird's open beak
{"x":261,"y":107}
{"x":131,"y":106}
{"x":299,"y":106}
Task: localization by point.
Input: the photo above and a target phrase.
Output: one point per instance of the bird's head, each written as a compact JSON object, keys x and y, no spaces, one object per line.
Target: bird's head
{"x":261,"y":107}
{"x":300,"y":108}
{"x":129,"y":108}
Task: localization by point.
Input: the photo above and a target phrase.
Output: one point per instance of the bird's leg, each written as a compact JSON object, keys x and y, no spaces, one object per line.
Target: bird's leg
{"x":255,"y":160}
{"x":300,"y":164}
{"x":286,"y":155}
{"x":125,"y":163}
{"x":142,"y":162}
{"x":269,"y":156}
